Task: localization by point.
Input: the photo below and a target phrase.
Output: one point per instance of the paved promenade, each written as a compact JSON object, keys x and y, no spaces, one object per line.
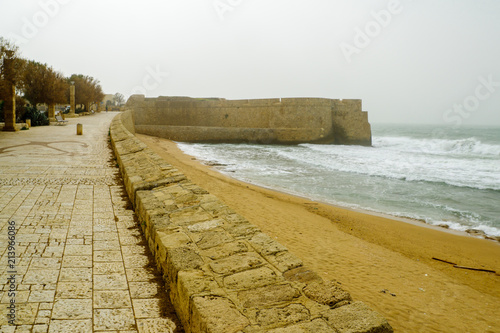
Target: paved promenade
{"x":81,"y":263}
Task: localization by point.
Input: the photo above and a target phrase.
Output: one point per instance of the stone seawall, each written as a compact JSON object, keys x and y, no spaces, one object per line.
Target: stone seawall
{"x":222,"y":273}
{"x":283,"y":121}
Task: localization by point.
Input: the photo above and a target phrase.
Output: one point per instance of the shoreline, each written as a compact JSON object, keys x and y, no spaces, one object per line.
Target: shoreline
{"x":462,"y":223}
{"x":383,"y":261}
{"x":415,"y":222}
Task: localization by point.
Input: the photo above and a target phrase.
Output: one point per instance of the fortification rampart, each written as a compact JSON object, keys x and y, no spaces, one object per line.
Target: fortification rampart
{"x":284,"y":121}
{"x":223,"y":274}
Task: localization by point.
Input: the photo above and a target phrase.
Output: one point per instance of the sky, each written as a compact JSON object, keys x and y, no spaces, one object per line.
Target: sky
{"x":417,"y":62}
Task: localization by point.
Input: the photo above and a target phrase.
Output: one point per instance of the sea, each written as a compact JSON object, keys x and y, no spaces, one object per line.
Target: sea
{"x":438,"y":175}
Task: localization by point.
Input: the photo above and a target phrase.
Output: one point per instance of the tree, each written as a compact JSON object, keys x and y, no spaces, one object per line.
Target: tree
{"x":33,"y":82}
{"x":119,"y":99}
{"x":88,"y":91}
{"x":42,"y":84}
{"x":9,"y":51}
{"x":10,"y":66}
{"x":57,"y":85}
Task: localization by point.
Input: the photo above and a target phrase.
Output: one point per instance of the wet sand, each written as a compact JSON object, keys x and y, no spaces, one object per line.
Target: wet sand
{"x":382,"y":261}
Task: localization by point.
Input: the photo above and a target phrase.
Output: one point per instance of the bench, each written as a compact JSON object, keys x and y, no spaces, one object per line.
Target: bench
{"x":60,"y":120}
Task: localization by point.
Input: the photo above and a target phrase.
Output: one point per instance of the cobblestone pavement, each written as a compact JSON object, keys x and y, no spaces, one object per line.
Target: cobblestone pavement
{"x":81,"y":264}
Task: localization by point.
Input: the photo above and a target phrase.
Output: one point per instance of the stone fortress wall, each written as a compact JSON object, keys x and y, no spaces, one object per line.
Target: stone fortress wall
{"x":222,"y":273}
{"x":281,"y":121}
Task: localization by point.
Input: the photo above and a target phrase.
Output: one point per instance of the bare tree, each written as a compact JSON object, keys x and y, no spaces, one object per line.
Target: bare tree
{"x":119,"y":99}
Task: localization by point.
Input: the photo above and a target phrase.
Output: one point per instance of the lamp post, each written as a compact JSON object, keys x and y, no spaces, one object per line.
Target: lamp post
{"x":10,"y":102}
{"x":72,"y":101}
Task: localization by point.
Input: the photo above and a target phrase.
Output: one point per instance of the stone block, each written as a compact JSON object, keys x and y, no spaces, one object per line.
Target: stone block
{"x":239,"y":230}
{"x":216,"y":314}
{"x":357,"y":317}
{"x":147,"y":204}
{"x":156,"y":325}
{"x":75,"y":274}
{"x":266,"y":296}
{"x":144,"y":289}
{"x":189,"y":216}
{"x":280,"y":316}
{"x":328,"y":293}
{"x":114,"y":319}
{"x":172,"y":189}
{"x":108,"y":267}
{"x":72,"y":309}
{"x":25,"y":313}
{"x":195,"y":189}
{"x":204,"y":226}
{"x":147,"y":307}
{"x":225,"y":250}
{"x":173,"y":239}
{"x":111,"y":299}
{"x":190,"y":283}
{"x":236,"y":263}
{"x":63,"y":326}
{"x":39,"y":296}
{"x":156,"y":224}
{"x":212,"y":205}
{"x":186,"y":199}
{"x":163,"y":242}
{"x":107,"y":256}
{"x":265,"y":245}
{"x":41,"y":276}
{"x":284,"y":261}
{"x":182,"y":259}
{"x":115,"y":281}
{"x":254,"y":278}
{"x":129,"y":146}
{"x":315,"y":326}
{"x":74,"y":290}
{"x":211,"y":238}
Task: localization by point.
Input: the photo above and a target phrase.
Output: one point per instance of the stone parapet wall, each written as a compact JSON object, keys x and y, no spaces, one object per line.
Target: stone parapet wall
{"x":223,"y":274}
{"x":128,"y":121}
{"x":285,"y":120}
{"x":350,"y":127}
{"x":232,"y":135}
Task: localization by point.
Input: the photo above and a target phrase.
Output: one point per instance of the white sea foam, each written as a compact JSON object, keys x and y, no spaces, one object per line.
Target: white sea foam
{"x":459,"y":147}
{"x":411,"y":160}
{"x":452,"y":181}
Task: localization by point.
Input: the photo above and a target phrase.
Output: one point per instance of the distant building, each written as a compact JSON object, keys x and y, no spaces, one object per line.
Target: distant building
{"x":108,"y":100}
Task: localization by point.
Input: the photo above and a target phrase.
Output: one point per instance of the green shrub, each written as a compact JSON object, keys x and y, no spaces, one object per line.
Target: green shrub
{"x":37,"y":118}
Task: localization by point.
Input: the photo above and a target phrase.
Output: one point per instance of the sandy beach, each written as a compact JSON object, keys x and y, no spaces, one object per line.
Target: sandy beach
{"x":384,"y":262}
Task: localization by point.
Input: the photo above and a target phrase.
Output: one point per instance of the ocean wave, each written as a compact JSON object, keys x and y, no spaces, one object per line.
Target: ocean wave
{"x":467,"y":146}
{"x":409,"y":165}
{"x":456,"y":189}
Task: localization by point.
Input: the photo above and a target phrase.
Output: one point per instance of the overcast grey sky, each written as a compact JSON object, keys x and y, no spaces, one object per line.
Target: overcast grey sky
{"x":420,"y":61}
